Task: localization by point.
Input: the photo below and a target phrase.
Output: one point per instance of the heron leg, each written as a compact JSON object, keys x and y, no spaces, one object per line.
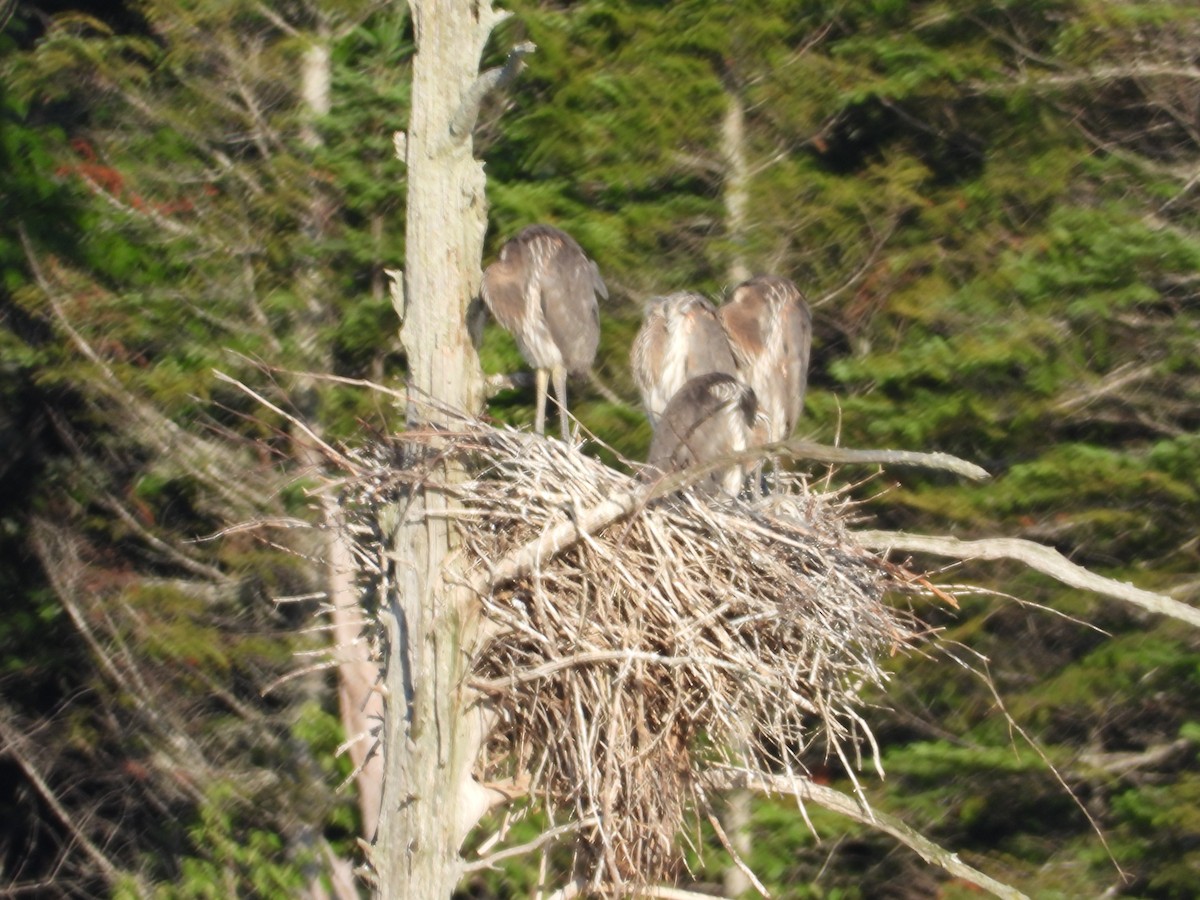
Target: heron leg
{"x":560,"y":394}
{"x":543,"y":383}
{"x":760,"y":434}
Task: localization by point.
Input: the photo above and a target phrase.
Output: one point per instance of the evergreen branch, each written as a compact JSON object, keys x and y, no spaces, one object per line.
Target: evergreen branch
{"x":145,"y":212}
{"x":729,"y":778}
{"x":194,"y":454}
{"x":12,"y":744}
{"x":864,"y":266}
{"x":493,"y":79}
{"x":1044,"y":559}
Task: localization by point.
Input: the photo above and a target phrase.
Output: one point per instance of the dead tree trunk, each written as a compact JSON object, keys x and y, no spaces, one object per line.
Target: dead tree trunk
{"x":430,"y":800}
{"x":736,"y":188}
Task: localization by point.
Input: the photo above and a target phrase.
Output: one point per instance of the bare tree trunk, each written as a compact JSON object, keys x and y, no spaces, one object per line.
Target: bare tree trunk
{"x":430,"y":800}
{"x":359,"y":704}
{"x":737,"y":179}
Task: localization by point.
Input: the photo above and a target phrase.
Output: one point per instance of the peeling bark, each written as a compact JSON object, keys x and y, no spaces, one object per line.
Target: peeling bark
{"x":431,"y":735}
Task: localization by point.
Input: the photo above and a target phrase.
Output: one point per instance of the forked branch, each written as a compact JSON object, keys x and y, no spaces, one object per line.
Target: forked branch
{"x":805,"y":791}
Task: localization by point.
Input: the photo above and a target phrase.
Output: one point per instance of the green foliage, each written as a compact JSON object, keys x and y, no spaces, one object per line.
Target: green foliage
{"x":1000,"y":251}
{"x":229,"y":857}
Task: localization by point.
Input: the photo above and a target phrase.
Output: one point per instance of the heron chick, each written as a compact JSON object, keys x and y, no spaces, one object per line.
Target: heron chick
{"x":543,"y":291}
{"x":769,"y":328}
{"x":680,"y":338}
{"x":709,"y":418}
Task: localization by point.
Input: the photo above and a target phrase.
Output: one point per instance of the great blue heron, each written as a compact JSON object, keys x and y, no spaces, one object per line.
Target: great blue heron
{"x":680,"y":338}
{"x":543,"y":290}
{"x":769,"y":328}
{"x":710,"y":417}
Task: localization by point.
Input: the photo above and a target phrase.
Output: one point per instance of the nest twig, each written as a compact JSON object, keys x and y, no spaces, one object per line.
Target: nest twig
{"x":683,"y":633}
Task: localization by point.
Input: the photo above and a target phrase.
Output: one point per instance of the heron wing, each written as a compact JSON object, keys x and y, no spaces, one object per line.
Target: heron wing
{"x":570,"y":308}
{"x":796,"y":323}
{"x":646,"y":360}
{"x":708,"y":345}
{"x":742,"y":318}
{"x":597,"y":282}
{"x":503,"y":292}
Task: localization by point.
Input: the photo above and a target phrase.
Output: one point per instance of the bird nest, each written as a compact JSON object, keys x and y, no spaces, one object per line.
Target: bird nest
{"x":674,"y":634}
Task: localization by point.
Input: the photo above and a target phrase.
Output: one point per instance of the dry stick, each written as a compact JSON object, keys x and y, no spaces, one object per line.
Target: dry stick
{"x":730,"y":849}
{"x":657,"y":892}
{"x":603,"y":656}
{"x":537,"y":843}
{"x":836,"y":801}
{"x":1037,"y":556}
{"x":330,"y":453}
{"x":525,"y":558}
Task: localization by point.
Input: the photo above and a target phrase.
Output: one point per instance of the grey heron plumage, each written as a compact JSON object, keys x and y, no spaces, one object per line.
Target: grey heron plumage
{"x":769,"y":328}
{"x":543,"y":290}
{"x":680,"y":339}
{"x":711,"y":417}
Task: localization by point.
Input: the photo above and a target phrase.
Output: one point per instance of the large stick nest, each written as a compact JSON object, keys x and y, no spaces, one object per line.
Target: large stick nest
{"x":688,"y":632}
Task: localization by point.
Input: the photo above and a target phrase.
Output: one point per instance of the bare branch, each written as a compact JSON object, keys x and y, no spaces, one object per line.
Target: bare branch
{"x":864,"y":266}
{"x":340,"y":459}
{"x":537,"y":843}
{"x":798,"y":449}
{"x":1120,"y":377}
{"x":12,"y":744}
{"x":805,"y":791}
{"x":1037,"y":556}
{"x":493,"y":79}
{"x":526,"y":558}
{"x":1125,"y":764}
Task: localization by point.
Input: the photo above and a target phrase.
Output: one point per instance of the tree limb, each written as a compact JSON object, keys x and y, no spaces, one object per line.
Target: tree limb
{"x":537,"y":843}
{"x":810,"y":450}
{"x":726,"y":778}
{"x":1046,"y":560}
{"x":463,"y":122}
{"x":526,"y":558}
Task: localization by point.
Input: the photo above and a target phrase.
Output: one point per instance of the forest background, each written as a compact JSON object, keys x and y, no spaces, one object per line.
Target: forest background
{"x":994,"y":209}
